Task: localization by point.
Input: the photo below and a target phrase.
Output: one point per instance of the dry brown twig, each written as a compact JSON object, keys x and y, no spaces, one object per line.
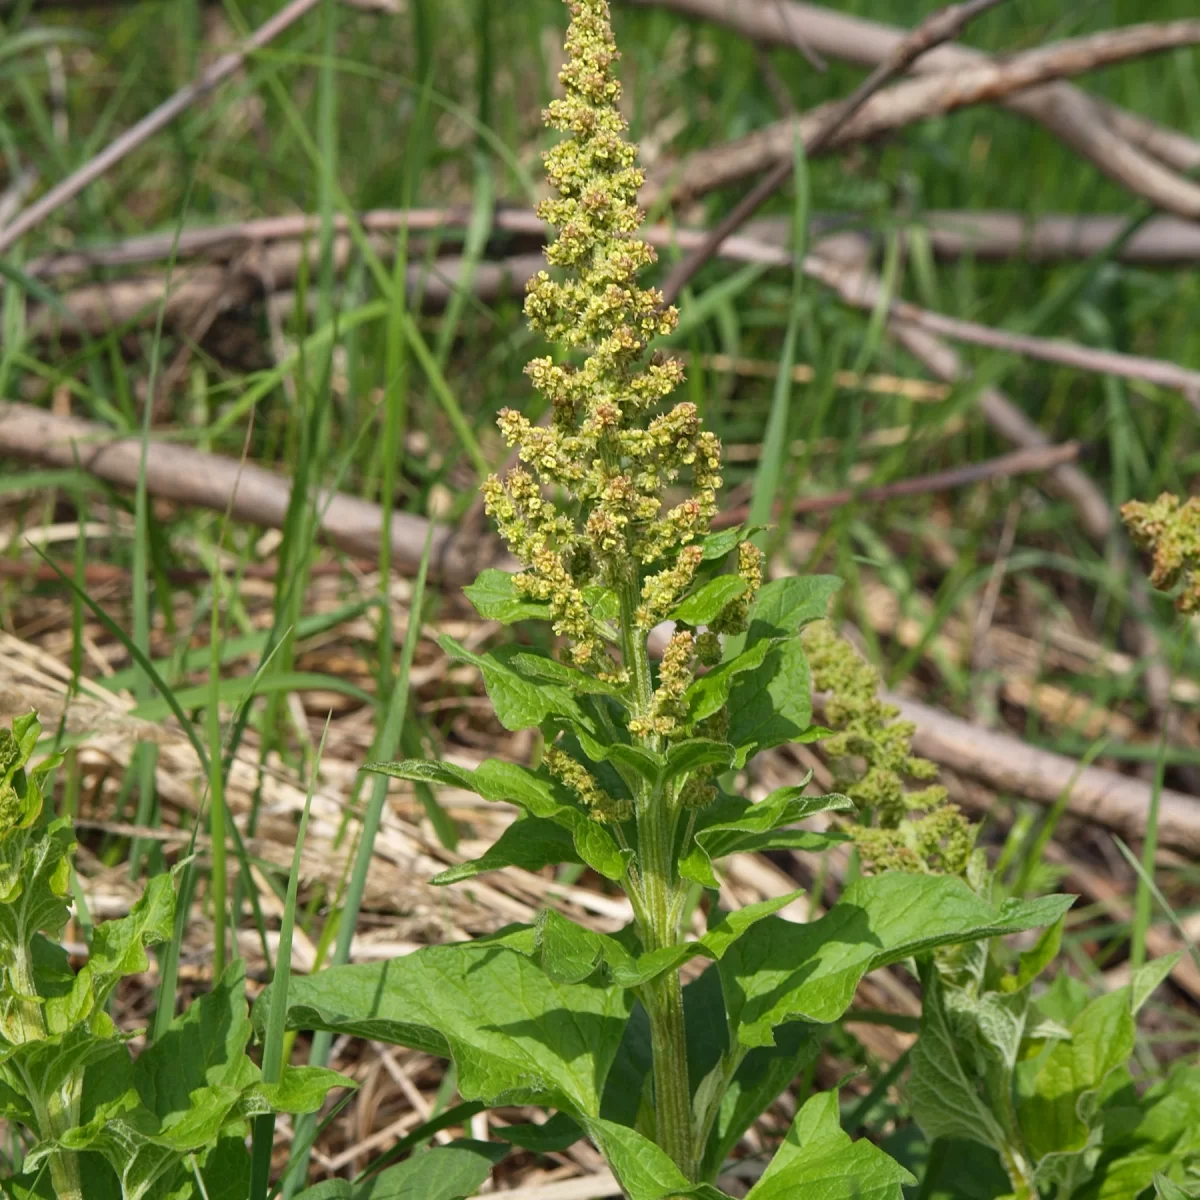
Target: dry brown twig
{"x":1142,"y":156}
{"x":772,"y":148}
{"x":1034,"y":459}
{"x":941,"y":26}
{"x":990,"y":234}
{"x":96,"y":308}
{"x":862,"y":289}
{"x":162,"y":116}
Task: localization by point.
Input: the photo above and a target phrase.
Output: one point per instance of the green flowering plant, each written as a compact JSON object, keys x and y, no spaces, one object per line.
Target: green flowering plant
{"x":609,"y":511}
{"x":1170,"y":529}
{"x":99,"y":1123}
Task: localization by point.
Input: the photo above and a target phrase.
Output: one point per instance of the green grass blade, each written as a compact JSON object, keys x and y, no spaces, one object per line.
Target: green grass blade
{"x":272,"y":1061}
{"x":768,"y":478}
{"x":385,"y":747}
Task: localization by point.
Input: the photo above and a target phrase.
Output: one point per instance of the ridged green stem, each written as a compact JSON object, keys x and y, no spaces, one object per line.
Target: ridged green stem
{"x":663,"y":997}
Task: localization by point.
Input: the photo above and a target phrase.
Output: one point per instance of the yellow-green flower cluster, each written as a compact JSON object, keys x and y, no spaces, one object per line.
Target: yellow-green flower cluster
{"x":734,"y":618}
{"x":675,"y":676}
{"x":583,"y":783}
{"x":1170,"y":529}
{"x":604,"y":448}
{"x":910,"y":829}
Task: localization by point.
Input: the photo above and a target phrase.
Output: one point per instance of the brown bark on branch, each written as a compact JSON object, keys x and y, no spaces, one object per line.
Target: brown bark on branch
{"x":1007,"y":764}
{"x":918,"y":99}
{"x":832,"y":119}
{"x":259,"y":497}
{"x":984,"y":234}
{"x":1078,"y":120}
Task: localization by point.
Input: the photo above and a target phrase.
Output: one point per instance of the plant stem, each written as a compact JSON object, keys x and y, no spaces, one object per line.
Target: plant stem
{"x":59,"y":1111}
{"x":662,"y":997}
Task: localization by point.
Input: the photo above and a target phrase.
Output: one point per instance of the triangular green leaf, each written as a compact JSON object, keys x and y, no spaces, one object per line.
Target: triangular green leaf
{"x":819,"y":1161}
{"x":734,"y":826}
{"x":530,"y":843}
{"x":496,"y":599}
{"x":520,"y":701}
{"x":706,"y":602}
{"x":517,"y":1036}
{"x":785,"y":606}
{"x":771,"y":704}
{"x":709,"y":693}
{"x":452,"y":1172}
{"x":780,"y":971}
{"x":642,"y":1169}
{"x":537,"y":792}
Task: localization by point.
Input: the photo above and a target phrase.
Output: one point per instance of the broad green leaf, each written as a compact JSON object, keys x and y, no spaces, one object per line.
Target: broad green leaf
{"x":819,"y":1161}
{"x":520,"y":701}
{"x":780,"y":971}
{"x":785,"y":606}
{"x":1034,"y":961}
{"x":452,"y":1172}
{"x":570,"y":953}
{"x":1145,"y":980}
{"x":1167,"y":1189}
{"x":757,"y":1083}
{"x":1057,"y":1110}
{"x":707,"y":602}
{"x":771,"y":704}
{"x":603,"y":601}
{"x":44,"y":1066}
{"x":717,"y":545}
{"x":35,"y":872}
{"x":301,"y":1090}
{"x":530,"y":843}
{"x":552,"y":1136}
{"x":184,"y":1091}
{"x":1146,"y":1135}
{"x":496,"y":598}
{"x":643,"y":762}
{"x":962,"y":1170}
{"x":536,"y":792}
{"x":687,"y":756}
{"x":516,"y":1035}
{"x":539,"y":666}
{"x":735,"y":826}
{"x":709,"y":693}
{"x":944,"y":1089}
{"x":642,"y":1169}
{"x":118,"y":949}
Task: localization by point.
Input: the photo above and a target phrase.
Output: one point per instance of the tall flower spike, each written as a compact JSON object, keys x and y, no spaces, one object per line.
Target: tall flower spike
{"x":605,"y":447}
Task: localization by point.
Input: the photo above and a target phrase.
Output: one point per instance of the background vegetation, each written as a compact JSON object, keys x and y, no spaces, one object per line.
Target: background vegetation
{"x":374,"y":365}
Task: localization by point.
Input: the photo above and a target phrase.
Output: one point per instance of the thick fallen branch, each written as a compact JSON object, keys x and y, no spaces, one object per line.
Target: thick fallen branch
{"x":916,"y":99}
{"x":251,"y":493}
{"x":97,"y":308}
{"x":1125,"y":147}
{"x":832,"y":120}
{"x":984,"y":234}
{"x":1008,"y":764}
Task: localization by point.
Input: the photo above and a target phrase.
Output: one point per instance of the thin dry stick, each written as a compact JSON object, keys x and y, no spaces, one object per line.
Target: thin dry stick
{"x":1126,"y":147}
{"x":864,"y":290}
{"x":911,"y":100}
{"x":940,"y":27}
{"x":148,"y":126}
{"x":1019,"y":462}
{"x":990,"y":234}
